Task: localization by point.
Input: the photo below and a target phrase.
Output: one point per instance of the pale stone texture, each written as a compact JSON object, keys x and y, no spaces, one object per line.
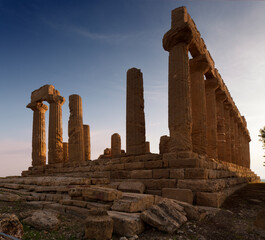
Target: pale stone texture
{"x":211,"y":118}
{"x":115,"y":145}
{"x":65,"y":152}
{"x":38,"y":133}
{"x":87,"y":145}
{"x":75,"y":130}
{"x":221,"y":138}
{"x":135,"y":119}
{"x":55,"y":138}
{"x":198,"y":67}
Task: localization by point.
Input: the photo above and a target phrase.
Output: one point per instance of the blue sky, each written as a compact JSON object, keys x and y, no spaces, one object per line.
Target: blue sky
{"x":86,"y":47}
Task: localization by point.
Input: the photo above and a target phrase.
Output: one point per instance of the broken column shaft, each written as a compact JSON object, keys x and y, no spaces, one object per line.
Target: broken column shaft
{"x":75,"y":130}
{"x":135,"y":119}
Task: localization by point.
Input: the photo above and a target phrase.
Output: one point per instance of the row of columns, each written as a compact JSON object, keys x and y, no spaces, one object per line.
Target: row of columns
{"x":78,"y":146}
{"x":202,"y":116}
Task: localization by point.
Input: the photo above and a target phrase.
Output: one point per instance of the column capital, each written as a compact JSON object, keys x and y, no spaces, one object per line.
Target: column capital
{"x":176,"y":35}
{"x":212,"y":83}
{"x":200,"y":63}
{"x":51,"y":98}
{"x":38,"y":106}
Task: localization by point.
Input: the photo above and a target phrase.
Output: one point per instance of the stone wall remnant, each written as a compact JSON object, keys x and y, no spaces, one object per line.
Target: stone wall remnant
{"x":87,"y":145}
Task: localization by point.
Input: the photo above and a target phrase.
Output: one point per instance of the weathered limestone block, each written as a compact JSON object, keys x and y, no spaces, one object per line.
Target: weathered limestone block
{"x":221,"y":138}
{"x":115,"y":145}
{"x":198,"y":67}
{"x":184,"y":195}
{"x":202,"y":184}
{"x":164,"y":144}
{"x":141,"y":174}
{"x":98,"y":225}
{"x":133,"y":202}
{"x":160,"y":173}
{"x":87,"y":145}
{"x":211,"y":116}
{"x":55,"y":138}
{"x":65,"y":152}
{"x":101,"y":193}
{"x":126,"y":224}
{"x":42,"y":220}
{"x":199,"y":173}
{"x":134,"y":187}
{"x":232,"y":135}
{"x":166,"y":216}
{"x":75,"y":130}
{"x":38,"y":134}
{"x":42,"y":93}
{"x":135,"y":119}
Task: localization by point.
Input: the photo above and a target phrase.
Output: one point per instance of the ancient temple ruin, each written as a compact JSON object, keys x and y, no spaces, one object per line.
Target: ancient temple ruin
{"x":204,"y":159}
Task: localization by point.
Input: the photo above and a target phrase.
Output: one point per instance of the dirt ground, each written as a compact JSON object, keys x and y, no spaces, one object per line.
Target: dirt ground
{"x":234,"y":221}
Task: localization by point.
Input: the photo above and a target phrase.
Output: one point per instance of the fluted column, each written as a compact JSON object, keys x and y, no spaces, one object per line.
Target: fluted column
{"x":232,"y":134}
{"x":177,"y":43}
{"x":211,"y":116}
{"x":135,"y":119}
{"x":221,"y":138}
{"x":198,"y":67}
{"x":38,"y":134}
{"x":75,"y":130}
{"x":115,"y":145}
{"x":227,"y":108}
{"x":237,"y":149}
{"x":87,"y":144}
{"x":55,"y":138}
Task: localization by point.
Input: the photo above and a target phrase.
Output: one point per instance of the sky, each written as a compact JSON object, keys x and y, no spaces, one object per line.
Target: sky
{"x":85,"y":47}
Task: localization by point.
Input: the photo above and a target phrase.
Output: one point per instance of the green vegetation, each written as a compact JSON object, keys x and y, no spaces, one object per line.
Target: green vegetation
{"x":262,"y":138}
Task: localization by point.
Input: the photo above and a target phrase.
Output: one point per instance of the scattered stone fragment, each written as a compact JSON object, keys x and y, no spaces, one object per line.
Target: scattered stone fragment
{"x":126,"y":224}
{"x":166,"y":216}
{"x":43,"y":220}
{"x":9,"y":224}
{"x":98,"y":225}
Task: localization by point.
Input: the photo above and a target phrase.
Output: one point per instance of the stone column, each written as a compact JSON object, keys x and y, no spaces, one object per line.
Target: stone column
{"x":198,"y":67}
{"x":247,"y":151}
{"x":87,"y":146}
{"x":177,"y":43}
{"x":221,"y":138}
{"x":232,"y":135}
{"x":75,"y":130}
{"x":211,"y":116}
{"x":135,"y":119}
{"x":227,"y":108}
{"x":65,"y":152}
{"x":55,"y":138}
{"x":240,"y":143}
{"x":38,"y":134}
{"x":115,"y":145}
{"x":236,"y":140}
